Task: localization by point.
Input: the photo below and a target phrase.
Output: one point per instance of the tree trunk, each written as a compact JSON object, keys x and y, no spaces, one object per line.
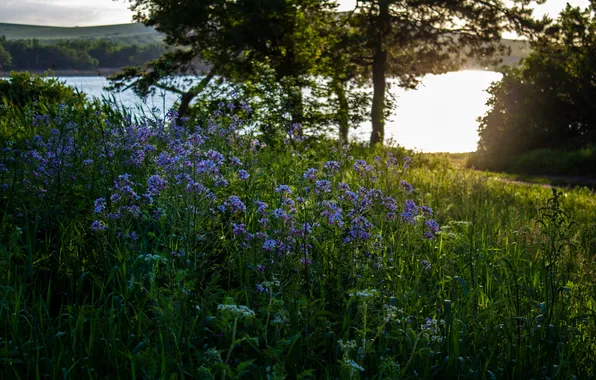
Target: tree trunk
{"x":379,"y":83}
{"x":188,"y":96}
{"x":294,"y":104}
{"x":343,"y":112}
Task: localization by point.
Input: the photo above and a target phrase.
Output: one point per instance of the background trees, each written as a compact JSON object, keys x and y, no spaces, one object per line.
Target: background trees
{"x":303,"y":39}
{"x":547,"y":103}
{"x":407,"y":39}
{"x":74,"y":54}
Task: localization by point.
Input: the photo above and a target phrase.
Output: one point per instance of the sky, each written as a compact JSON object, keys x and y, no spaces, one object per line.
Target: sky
{"x":107,"y":12}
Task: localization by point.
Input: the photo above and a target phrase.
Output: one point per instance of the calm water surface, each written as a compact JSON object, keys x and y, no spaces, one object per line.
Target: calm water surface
{"x":440,"y":116}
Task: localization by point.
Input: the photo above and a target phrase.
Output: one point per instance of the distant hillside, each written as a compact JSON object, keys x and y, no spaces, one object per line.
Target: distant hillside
{"x":140,"y":35}
{"x":137,"y":34}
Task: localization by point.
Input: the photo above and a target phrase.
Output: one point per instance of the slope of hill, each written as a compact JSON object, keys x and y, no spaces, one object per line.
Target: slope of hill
{"x":130,"y":33}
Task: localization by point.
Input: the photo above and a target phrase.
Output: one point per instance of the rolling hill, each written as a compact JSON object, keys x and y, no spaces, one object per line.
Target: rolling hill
{"x":123,"y":33}
{"x":139,"y":34}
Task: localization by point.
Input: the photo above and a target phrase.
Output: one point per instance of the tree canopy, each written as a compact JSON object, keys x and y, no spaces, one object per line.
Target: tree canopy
{"x":546,"y":103}
{"x":307,"y":40}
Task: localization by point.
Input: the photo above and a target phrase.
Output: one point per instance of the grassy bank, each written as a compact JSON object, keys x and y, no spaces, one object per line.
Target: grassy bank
{"x":148,"y":250}
{"x":545,"y":162}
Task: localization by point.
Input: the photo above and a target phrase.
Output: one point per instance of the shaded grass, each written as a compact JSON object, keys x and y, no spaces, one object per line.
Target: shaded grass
{"x":546,"y":162}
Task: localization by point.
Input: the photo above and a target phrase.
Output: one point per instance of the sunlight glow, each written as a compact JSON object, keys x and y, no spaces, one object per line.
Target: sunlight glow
{"x":440,"y":116}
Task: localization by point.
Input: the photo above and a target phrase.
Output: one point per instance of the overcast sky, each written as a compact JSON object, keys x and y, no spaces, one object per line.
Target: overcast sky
{"x":105,"y":12}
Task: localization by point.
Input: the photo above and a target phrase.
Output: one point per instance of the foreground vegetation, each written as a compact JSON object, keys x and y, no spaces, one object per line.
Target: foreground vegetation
{"x":146,"y":249}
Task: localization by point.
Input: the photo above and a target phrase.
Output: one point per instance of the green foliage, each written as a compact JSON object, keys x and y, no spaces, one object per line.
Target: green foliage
{"x":22,"y":89}
{"x":5,"y":58}
{"x":546,"y":103}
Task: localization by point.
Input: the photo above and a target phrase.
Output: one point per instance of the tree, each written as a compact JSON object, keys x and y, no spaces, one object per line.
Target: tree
{"x":346,"y":80}
{"x":228,"y":35}
{"x":548,"y":101}
{"x":407,"y":39}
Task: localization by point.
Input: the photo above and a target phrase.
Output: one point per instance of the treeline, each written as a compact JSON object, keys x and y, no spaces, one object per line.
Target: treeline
{"x":74,"y":54}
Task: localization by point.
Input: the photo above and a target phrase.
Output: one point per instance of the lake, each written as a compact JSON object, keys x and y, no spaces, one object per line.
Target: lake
{"x":440,"y":116}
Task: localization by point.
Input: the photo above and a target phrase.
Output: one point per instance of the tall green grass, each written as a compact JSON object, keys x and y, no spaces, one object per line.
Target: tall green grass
{"x":506,"y":289}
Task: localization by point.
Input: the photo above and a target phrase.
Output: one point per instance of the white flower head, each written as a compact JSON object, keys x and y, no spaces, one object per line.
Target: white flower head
{"x":237,"y":311}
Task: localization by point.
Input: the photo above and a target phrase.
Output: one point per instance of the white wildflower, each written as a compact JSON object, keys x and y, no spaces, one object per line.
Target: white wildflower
{"x":237,"y":311}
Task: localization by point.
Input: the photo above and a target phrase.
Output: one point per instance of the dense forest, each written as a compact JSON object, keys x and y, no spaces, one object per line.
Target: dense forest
{"x":77,"y":54}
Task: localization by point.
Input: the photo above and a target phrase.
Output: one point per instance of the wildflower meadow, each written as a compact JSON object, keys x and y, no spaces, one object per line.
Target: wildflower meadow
{"x":156,"y":249}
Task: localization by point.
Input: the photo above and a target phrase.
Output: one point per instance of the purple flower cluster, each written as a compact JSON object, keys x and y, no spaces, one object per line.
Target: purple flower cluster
{"x":332,"y":167}
{"x":156,"y":184}
{"x":433,"y":228}
{"x":410,"y":212}
{"x":310,"y":174}
{"x":362,"y":167}
{"x":243,"y":175}
{"x":407,"y":187}
{"x":285,"y":189}
{"x":235,"y":204}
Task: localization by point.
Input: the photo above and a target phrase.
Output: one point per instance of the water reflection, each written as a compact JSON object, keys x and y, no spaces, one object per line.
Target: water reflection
{"x":440,"y":116}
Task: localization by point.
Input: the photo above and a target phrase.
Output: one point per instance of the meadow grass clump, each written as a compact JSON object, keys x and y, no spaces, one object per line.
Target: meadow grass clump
{"x":140,"y":249}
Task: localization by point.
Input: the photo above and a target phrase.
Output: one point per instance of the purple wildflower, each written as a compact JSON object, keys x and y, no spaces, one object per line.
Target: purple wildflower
{"x":407,"y":187}
{"x":432,"y":225}
{"x":407,"y":161}
{"x":279,"y":213}
{"x":284,"y":188}
{"x":361,"y":166}
{"x":100,"y":205}
{"x":333,"y":213}
{"x":243,"y":175}
{"x":323,"y":186}
{"x":98,"y":225}
{"x":155,"y":184}
{"x":270,"y":245}
{"x":311,"y":174}
{"x":305,"y":261}
{"x":411,"y":210}
{"x":261,"y":289}
{"x":261,"y":207}
{"x":215,"y":156}
{"x":332,"y":167}
{"x":235,"y":204}
{"x":238,"y":229}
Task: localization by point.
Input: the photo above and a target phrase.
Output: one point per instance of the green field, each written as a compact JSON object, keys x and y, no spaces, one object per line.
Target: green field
{"x":128,"y":33}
